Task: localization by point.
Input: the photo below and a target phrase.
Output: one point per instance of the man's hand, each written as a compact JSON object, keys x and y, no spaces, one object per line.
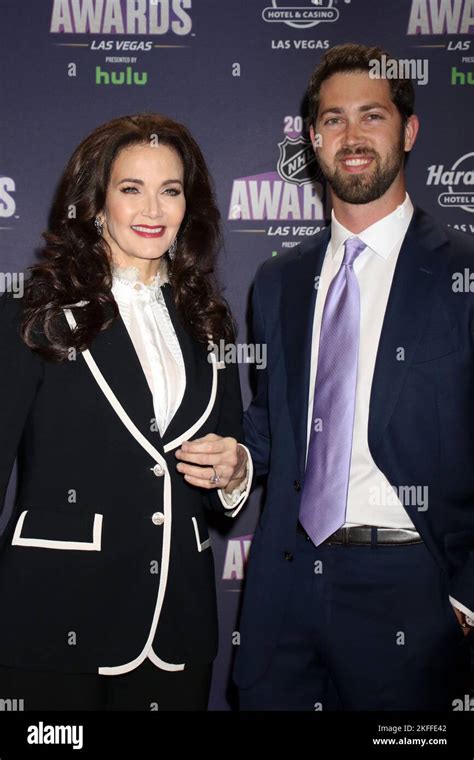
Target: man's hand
{"x":202,"y":459}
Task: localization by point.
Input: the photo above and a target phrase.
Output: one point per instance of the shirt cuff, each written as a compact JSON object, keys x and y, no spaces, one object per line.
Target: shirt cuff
{"x":468,"y":613}
{"x":237,"y":498}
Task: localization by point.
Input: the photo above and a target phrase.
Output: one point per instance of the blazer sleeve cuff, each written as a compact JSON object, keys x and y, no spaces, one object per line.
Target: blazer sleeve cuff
{"x":461,"y":587}
{"x":233,"y":502}
{"x":462,"y":607}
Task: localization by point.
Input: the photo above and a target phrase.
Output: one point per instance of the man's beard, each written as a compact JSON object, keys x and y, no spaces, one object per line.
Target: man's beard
{"x":364,"y":188}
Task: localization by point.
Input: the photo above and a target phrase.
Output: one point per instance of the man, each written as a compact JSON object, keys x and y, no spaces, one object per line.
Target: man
{"x":360,"y":584}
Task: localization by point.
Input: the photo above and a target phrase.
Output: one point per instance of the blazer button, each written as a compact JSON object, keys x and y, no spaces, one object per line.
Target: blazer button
{"x":158,"y":518}
{"x":288,"y":556}
{"x":297,"y":485}
{"x":158,"y":470}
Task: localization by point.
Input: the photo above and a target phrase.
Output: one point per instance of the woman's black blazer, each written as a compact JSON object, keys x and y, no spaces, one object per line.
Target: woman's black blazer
{"x":106,"y":558}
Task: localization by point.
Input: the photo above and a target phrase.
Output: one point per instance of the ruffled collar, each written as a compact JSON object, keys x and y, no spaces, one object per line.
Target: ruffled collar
{"x":130,"y":276}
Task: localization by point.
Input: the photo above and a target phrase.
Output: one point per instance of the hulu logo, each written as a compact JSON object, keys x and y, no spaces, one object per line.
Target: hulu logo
{"x":459,"y":77}
{"x":120,"y":77}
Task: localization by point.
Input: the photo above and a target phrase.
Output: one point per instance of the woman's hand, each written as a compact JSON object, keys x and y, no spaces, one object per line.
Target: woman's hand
{"x":212,"y":462}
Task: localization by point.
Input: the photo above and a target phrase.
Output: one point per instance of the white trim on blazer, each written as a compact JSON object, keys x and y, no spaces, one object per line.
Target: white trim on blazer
{"x":194,"y":428}
{"x":167,"y":502}
{"x":201,"y":545}
{"x":49,"y":543}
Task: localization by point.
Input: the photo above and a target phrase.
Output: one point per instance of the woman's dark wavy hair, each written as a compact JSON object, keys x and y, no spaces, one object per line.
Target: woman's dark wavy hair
{"x":76,"y":263}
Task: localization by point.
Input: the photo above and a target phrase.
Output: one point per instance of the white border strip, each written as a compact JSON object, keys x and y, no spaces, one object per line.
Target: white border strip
{"x":165,"y":553}
{"x":50,"y":543}
{"x":205,"y":544}
{"x":162,"y":664}
{"x":194,"y":428}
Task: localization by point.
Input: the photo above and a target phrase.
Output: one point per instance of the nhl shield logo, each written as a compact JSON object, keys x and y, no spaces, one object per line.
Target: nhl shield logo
{"x":297,"y":162}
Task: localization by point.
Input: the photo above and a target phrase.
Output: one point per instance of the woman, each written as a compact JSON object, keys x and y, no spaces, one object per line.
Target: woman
{"x":106,"y":572}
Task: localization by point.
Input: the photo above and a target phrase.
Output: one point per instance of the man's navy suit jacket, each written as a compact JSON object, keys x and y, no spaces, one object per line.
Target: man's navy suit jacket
{"x":421,"y":419}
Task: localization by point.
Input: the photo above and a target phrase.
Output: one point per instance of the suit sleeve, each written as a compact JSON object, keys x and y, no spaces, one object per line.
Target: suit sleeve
{"x":461,"y":584}
{"x":20,"y":376}
{"x":255,"y":431}
{"x":230,"y":424}
{"x":256,"y":418}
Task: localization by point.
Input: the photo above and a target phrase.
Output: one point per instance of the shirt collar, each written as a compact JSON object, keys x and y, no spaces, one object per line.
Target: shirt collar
{"x":127,"y":279}
{"x":382,"y":237}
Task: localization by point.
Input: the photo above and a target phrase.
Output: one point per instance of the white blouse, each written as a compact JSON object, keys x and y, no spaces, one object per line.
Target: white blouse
{"x":144,"y":312}
{"x":146,"y":317}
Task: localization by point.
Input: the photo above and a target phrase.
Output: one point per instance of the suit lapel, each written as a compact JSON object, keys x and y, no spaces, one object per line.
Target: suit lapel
{"x":416,"y":274}
{"x":298,"y":302}
{"x":114,"y":352}
{"x":117,"y":359}
{"x":198,"y":375}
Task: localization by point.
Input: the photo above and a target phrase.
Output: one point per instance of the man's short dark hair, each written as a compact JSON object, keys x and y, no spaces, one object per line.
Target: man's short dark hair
{"x":352,"y":57}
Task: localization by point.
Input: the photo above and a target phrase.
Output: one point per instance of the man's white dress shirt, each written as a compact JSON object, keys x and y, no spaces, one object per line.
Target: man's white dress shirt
{"x":371,"y":499}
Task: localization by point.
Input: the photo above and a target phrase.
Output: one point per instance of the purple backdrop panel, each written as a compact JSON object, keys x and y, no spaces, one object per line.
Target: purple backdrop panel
{"x":235,"y":73}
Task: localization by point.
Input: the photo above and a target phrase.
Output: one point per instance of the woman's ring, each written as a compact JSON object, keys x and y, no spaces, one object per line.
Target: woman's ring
{"x":214,"y":478}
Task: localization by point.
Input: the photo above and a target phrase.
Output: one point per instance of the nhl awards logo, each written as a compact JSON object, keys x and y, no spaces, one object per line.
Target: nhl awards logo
{"x":297,"y":162}
{"x":236,"y":558}
{"x":300,"y":15}
{"x":441,"y":17}
{"x":291,"y":194}
{"x":151,"y":17}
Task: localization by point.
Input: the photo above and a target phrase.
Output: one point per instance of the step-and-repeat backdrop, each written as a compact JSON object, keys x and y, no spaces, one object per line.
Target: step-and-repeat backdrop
{"x":235,"y":72}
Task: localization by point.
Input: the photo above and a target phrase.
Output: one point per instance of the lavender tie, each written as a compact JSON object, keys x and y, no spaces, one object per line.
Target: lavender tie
{"x":324,"y":497}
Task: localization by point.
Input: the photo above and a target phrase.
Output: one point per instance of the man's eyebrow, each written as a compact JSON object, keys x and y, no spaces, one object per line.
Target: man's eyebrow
{"x":366,"y":107}
{"x":370,"y":106}
{"x":333,"y":109}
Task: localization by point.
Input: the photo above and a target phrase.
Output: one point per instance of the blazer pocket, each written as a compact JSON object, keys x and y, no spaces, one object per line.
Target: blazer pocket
{"x":59,"y":530}
{"x":201,"y":533}
{"x":436,"y":348}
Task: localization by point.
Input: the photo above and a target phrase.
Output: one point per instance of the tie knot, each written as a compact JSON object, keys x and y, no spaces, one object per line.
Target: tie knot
{"x":352,"y":246}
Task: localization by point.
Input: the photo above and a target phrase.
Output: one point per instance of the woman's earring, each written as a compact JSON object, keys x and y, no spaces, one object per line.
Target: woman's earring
{"x":99,"y":226}
{"x":172,"y":249}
